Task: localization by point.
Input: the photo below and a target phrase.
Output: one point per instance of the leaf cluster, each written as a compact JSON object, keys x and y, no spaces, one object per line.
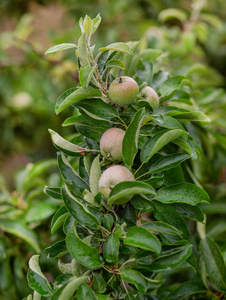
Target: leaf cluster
{"x":24,"y":215}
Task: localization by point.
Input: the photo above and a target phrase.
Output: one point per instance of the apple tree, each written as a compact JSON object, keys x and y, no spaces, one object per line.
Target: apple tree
{"x":130,"y":207}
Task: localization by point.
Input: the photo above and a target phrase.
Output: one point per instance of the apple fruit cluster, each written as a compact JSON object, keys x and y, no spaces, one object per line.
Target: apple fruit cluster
{"x":123,"y":90}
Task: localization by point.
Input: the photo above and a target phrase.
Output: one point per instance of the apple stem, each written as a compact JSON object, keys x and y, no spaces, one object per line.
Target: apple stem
{"x":98,"y":77}
{"x":120,"y":80}
{"x":138,"y":169}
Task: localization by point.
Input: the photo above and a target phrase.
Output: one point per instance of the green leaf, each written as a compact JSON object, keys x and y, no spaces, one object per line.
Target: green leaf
{"x":87,"y":129}
{"x":192,"y":261}
{"x":120,"y":47}
{"x":97,"y":107}
{"x":74,"y":95}
{"x":214,"y":263}
{"x":140,"y":203}
{"x":194,"y":116}
{"x":173,"y":176}
{"x":170,"y":110}
{"x":158,"y":141}
{"x":85,"y":75}
{"x":171,"y":260}
{"x":168,"y":122}
{"x":71,"y":268}
{"x":82,"y":52}
{"x":187,"y":146}
{"x":96,"y":213}
{"x":92,"y":132}
{"x":62,"y":279}
{"x":95,"y":23}
{"x":169,"y":215}
{"x":95,"y":173}
{"x":172,"y":13}
{"x":53,"y":192}
{"x":212,"y":19}
{"x":69,"y":174}
{"x":93,"y":119}
{"x":21,"y":231}
{"x":88,"y":197}
{"x":64,"y":96}
{"x":182,"y":193}
{"x":37,"y":169}
{"x":87,"y":24}
{"x":74,"y":120}
{"x":58,"y":249}
{"x":168,"y":162}
{"x":36,"y":280}
{"x":190,"y":212}
{"x":108,"y":221}
{"x":65,"y":269}
{"x":66,"y":146}
{"x":186,"y":289}
{"x":59,"y":218}
{"x":130,"y":141}
{"x":72,"y":286}
{"x":81,"y":24}
{"x":111,"y":248}
{"x":60,"y":47}
{"x":155,"y":181}
{"x":78,"y":210}
{"x":39,"y":211}
{"x":123,"y":191}
{"x":145,"y":72}
{"x":161,"y":227}
{"x":85,"y":292}
{"x":171,"y":85}
{"x":115,"y":63}
{"x":102,"y":297}
{"x":153,"y":284}
{"x":86,"y":255}
{"x":135,"y":278}
{"x":146,"y":55}
{"x":99,"y":284}
{"x":142,"y":238}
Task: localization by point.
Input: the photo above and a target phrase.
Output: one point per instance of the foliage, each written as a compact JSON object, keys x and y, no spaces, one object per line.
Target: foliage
{"x":194,"y":46}
{"x":24,"y":215}
{"x":26,"y":100}
{"x":110,"y":250}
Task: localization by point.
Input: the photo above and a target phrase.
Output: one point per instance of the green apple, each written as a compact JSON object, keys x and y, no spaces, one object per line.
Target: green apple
{"x":150,"y":95}
{"x":123,"y":90}
{"x":112,"y":176}
{"x":111,"y":144}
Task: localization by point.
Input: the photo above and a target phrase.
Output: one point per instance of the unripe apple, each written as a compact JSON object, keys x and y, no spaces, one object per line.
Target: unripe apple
{"x":111,"y":144}
{"x":150,"y":95}
{"x":112,"y":176}
{"x":123,"y":90}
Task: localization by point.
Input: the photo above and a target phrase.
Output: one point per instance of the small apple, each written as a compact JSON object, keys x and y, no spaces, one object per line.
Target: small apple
{"x":150,"y":95}
{"x":123,"y":90}
{"x":111,"y":144}
{"x":112,"y":176}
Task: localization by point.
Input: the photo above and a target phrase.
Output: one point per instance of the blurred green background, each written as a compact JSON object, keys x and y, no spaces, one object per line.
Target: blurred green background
{"x":192,"y":35}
